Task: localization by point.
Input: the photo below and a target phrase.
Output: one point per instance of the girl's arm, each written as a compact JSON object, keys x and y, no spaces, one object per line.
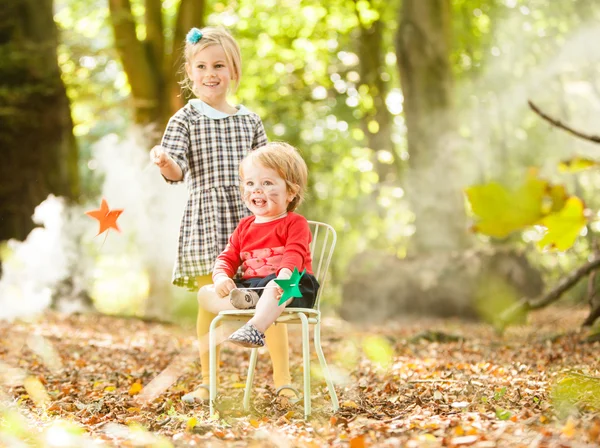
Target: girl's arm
{"x":176,"y":142}
{"x":260,"y":136}
{"x":168,"y":167}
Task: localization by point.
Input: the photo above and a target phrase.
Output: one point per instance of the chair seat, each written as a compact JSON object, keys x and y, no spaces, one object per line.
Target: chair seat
{"x":289,"y":315}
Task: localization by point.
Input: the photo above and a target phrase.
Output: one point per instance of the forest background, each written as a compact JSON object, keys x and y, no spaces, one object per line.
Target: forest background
{"x":398,"y":107}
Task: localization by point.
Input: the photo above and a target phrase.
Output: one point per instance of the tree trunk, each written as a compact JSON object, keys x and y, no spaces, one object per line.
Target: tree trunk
{"x":434,"y":178}
{"x":39,"y":154}
{"x":152,"y":68}
{"x":151,"y":65}
{"x":379,"y":135}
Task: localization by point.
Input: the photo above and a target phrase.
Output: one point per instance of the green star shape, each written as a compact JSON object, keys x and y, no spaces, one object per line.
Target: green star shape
{"x":290,"y":286}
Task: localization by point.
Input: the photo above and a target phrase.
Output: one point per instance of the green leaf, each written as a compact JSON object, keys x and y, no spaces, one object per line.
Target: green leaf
{"x":503,"y":414}
{"x":499,"y":393}
{"x":564,"y":226}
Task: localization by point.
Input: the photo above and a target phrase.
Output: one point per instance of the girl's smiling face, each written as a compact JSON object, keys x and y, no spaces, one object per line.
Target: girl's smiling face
{"x":210,"y":74}
{"x":265,"y":192}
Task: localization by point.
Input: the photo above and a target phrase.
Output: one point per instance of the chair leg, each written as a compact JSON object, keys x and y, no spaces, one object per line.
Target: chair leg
{"x":324,"y":367}
{"x":250,"y":378}
{"x":212,"y":355}
{"x":306,"y":363}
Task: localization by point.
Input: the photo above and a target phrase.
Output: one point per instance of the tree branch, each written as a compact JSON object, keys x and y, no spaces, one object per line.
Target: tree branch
{"x":554,"y":294}
{"x":560,"y":125}
{"x":591,"y":318}
{"x":140,"y":73}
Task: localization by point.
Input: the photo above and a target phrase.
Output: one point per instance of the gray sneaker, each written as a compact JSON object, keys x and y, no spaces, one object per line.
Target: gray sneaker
{"x":243,"y":299}
{"x":248,"y":336}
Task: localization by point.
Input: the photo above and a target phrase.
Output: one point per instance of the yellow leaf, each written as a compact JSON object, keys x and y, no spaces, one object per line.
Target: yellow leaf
{"x":238,"y":385}
{"x":110,"y":388}
{"x":350,"y":404}
{"x":36,"y":391}
{"x":569,"y":429}
{"x":135,"y":389}
{"x":576,"y":164}
{"x":558,"y":197}
{"x":500,"y":211}
{"x":133,"y":410}
{"x":191,"y":423}
{"x":458,"y":430}
{"x":563,"y":227}
{"x":254,"y":423}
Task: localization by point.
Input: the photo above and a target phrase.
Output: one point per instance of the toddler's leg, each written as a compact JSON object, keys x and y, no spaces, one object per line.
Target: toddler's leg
{"x":267,"y":309}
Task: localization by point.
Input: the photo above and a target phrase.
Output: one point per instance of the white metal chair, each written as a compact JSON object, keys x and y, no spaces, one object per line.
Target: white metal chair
{"x":322,"y":247}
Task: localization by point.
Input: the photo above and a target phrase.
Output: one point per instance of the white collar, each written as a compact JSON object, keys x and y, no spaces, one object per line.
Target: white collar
{"x":211,"y":112}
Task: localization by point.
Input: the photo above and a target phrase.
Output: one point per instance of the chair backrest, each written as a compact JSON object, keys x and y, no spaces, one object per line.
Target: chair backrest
{"x":321,"y":249}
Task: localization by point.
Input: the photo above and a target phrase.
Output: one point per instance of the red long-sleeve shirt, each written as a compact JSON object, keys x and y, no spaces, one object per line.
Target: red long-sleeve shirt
{"x":266,"y":248}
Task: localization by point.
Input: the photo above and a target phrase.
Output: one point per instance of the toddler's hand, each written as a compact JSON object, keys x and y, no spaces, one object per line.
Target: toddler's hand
{"x":223,"y":286}
{"x":159,"y":157}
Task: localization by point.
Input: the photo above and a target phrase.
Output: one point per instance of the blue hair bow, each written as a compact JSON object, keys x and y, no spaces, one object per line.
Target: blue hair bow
{"x":193,"y":36}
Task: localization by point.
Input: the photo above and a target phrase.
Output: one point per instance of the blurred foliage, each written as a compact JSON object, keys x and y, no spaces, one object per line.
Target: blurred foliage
{"x":573,"y":392}
{"x":301,"y":75}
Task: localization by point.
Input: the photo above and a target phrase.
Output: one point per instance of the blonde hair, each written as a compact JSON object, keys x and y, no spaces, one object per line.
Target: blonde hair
{"x":214,"y":36}
{"x":287,"y":162}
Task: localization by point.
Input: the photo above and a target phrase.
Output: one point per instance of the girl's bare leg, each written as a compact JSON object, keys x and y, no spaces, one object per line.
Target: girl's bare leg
{"x":210,"y":300}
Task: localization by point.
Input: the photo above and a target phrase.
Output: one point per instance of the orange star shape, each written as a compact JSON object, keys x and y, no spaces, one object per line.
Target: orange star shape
{"x":106,"y":217}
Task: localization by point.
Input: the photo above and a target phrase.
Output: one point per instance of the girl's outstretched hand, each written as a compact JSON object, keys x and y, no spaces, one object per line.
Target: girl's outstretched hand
{"x":159,"y":157}
{"x":223,"y":286}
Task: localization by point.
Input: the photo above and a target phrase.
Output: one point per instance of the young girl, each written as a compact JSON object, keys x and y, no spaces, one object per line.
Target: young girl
{"x":267,"y":245}
{"x":203,"y":144}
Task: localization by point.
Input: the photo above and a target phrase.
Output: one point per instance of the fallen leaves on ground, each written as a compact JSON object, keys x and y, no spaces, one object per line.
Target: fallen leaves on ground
{"x":74,"y":380}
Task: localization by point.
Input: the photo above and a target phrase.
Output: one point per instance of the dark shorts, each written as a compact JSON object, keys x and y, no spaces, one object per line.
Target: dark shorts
{"x":309,"y":286}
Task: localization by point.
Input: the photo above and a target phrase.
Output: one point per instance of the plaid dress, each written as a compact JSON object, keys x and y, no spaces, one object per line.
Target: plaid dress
{"x":209,"y":145}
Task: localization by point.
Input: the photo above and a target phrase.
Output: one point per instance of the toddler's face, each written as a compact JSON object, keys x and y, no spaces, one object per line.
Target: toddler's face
{"x":209,"y":72}
{"x":264,"y":191}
